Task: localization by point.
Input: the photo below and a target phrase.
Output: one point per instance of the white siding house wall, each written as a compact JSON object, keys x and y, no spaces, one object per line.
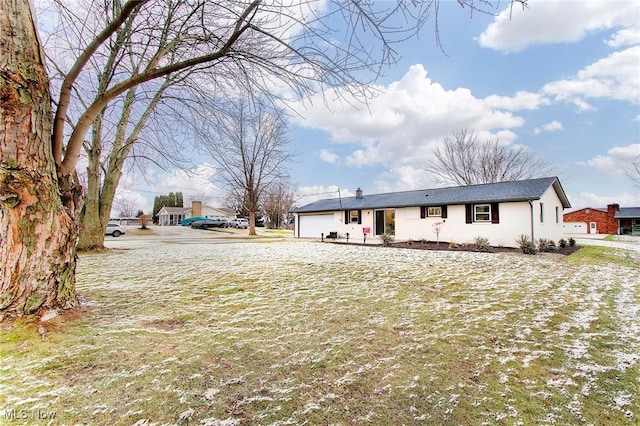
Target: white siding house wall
{"x":355,"y":230}
{"x":338,"y":225}
{"x":549,"y":228}
{"x":514,"y":220}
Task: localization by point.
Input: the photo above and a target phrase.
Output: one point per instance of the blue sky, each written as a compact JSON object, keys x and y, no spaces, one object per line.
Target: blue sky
{"x":561,"y":78}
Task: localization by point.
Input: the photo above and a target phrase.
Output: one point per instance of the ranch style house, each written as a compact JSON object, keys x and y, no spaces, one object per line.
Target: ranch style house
{"x":500,"y":212}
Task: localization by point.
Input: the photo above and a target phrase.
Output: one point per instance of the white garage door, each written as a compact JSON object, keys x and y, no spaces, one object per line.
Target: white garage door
{"x":575,"y":227}
{"x":312,"y":226}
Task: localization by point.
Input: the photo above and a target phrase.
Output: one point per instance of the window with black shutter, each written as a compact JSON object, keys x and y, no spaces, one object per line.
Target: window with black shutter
{"x":353,"y":216}
{"x":495,"y":213}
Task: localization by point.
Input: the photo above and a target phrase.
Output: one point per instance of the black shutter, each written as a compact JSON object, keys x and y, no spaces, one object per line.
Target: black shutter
{"x":495,"y":213}
{"x":443,"y":209}
{"x":423,"y":212}
{"x":468,"y":213}
{"x":359,"y":217}
{"x":346,"y":217}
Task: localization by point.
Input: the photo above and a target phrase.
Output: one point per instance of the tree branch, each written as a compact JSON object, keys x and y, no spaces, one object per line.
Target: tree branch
{"x":65,"y":90}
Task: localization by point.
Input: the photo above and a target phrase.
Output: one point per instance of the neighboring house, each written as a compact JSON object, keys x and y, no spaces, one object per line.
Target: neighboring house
{"x":628,"y":220}
{"x":171,"y":215}
{"x":609,"y":220}
{"x":209,"y":211}
{"x":500,"y":212}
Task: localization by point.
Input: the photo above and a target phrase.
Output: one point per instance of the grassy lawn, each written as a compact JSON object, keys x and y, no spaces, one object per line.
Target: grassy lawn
{"x":294,"y":333}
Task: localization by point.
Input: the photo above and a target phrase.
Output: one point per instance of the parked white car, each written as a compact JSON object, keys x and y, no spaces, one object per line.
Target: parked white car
{"x":114,"y":229}
{"x":241,"y":222}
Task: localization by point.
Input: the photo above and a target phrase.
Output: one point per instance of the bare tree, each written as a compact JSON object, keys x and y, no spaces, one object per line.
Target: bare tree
{"x":277,"y":201}
{"x":464,"y":159}
{"x":249,"y":144}
{"x":634,"y":171}
{"x":127,"y":207}
{"x":258,"y":45}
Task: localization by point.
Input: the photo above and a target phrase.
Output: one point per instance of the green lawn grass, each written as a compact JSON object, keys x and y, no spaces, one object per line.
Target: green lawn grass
{"x":312,"y":333}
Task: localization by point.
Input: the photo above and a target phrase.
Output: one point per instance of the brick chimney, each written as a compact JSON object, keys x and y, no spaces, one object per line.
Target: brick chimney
{"x":612,"y":222}
{"x":196,"y":208}
{"x":359,"y":195}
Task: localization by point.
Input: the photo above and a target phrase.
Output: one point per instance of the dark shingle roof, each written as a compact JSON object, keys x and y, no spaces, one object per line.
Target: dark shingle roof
{"x":628,"y":213}
{"x":522,"y":190}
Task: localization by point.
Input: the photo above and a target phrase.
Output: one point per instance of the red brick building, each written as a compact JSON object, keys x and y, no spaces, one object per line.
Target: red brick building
{"x":611,"y":220}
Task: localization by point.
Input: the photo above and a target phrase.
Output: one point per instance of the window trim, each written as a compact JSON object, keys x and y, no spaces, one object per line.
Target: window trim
{"x":352,"y":217}
{"x":425,"y":209}
{"x":487,"y":213}
{"x":439,"y":208}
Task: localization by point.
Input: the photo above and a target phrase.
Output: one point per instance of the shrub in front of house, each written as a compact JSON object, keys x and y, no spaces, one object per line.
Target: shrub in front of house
{"x":387,"y":239}
{"x":562,"y":243}
{"x":551,"y":246}
{"x":525,"y":244}
{"x":572,"y":242}
{"x":546,"y":246}
{"x":481,"y":244}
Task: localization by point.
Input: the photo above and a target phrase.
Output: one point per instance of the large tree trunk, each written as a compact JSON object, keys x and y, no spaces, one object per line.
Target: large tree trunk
{"x":37,"y":211}
{"x":100,"y":195}
{"x":97,"y":209}
{"x":91,"y":232}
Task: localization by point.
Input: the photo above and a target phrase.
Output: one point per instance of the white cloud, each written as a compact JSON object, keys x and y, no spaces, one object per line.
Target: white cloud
{"x":616,"y":162}
{"x":545,"y":22}
{"x":521,"y":101}
{"x":126,"y":199}
{"x":614,"y":77}
{"x":589,"y":199}
{"x":554,"y":126}
{"x":625,"y":37}
{"x":328,"y":156}
{"x":360,"y":157}
{"x":401,"y":124}
{"x":196,"y":184}
{"x":309,"y":194}
{"x":404,"y":178}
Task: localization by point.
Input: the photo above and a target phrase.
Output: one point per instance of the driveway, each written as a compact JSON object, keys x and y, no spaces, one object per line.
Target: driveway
{"x":620,"y":241}
{"x":135,"y":236}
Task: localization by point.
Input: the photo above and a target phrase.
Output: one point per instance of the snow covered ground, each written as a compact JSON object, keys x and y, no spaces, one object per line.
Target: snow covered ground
{"x":299,"y":332}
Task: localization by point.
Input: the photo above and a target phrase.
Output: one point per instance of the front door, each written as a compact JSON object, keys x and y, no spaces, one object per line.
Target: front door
{"x":385,"y":222}
{"x":593,"y":228}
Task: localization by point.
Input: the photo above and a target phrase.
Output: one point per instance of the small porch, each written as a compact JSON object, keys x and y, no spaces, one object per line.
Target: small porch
{"x":171,"y":216}
{"x":628,"y":220}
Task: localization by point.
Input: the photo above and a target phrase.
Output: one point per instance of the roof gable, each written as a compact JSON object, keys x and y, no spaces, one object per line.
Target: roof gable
{"x":172,"y":210}
{"x":523,"y":190}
